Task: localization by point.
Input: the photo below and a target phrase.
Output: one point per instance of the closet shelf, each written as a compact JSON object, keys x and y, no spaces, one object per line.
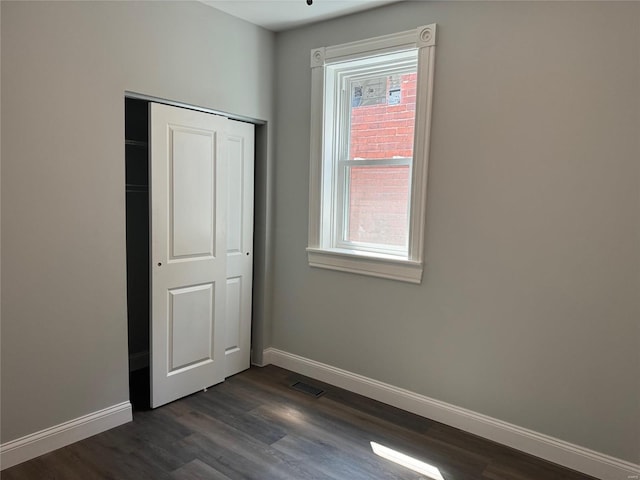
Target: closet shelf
{"x":136,"y":188}
{"x":136,"y":143}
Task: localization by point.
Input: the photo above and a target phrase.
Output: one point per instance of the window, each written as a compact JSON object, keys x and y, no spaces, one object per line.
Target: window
{"x":370,"y":121}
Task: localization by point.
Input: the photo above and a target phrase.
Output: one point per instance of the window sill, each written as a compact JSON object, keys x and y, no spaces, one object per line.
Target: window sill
{"x":375,"y":265}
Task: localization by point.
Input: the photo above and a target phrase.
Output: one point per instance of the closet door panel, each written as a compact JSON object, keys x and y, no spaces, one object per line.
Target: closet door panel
{"x":191,"y":311}
{"x":188,"y":229}
{"x":233,"y":323}
{"x":239,"y":144}
{"x":191,"y":188}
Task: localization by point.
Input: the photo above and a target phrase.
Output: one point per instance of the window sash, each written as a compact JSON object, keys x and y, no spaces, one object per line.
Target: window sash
{"x":343,"y":207}
{"x":339,"y":79}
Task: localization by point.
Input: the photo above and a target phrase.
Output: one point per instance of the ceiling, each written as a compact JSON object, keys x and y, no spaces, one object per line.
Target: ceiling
{"x":278,"y":15}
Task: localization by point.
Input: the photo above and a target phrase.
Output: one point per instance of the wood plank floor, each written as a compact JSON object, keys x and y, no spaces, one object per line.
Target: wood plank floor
{"x":255,"y":426}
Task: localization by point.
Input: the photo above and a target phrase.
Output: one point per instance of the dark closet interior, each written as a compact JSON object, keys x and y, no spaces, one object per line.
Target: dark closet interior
{"x":137,"y":213}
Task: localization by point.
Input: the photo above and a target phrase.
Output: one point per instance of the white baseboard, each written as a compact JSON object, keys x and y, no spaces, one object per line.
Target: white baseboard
{"x":552,"y":449}
{"x":44,"y":441}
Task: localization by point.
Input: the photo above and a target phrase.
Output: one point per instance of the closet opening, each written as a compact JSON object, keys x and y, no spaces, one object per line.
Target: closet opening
{"x":195,"y":275}
{"x":138,"y":261}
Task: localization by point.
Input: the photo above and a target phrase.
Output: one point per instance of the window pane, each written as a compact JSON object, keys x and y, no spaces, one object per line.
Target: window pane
{"x":382,"y":117}
{"x":378,"y":204}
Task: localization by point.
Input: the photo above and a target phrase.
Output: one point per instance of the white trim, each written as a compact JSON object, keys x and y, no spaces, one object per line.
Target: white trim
{"x":549,"y":448}
{"x":393,"y":42}
{"x":44,"y":441}
{"x":317,"y":57}
{"x":188,"y":106}
{"x":373,"y":265}
{"x":426,"y":35}
{"x":323,"y":196}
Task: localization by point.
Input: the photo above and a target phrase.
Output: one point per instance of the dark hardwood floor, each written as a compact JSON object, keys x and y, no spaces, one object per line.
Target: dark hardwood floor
{"x":255,"y":426}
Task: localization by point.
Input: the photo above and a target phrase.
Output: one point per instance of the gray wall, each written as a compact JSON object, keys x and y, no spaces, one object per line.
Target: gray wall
{"x":529,"y":310}
{"x":65,"y":68}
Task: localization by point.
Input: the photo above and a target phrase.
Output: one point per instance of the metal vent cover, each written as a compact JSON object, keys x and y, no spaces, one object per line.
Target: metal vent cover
{"x":308,"y":389}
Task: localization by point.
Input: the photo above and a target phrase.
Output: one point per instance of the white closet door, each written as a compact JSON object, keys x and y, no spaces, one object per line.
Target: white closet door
{"x":239,"y":149}
{"x":188,"y":252}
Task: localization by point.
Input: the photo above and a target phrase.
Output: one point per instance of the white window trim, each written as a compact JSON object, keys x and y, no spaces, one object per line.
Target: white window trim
{"x":320,"y":253}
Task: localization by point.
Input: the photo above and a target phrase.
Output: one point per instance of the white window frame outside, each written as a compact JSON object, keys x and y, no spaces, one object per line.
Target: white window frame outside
{"x":325,"y":250}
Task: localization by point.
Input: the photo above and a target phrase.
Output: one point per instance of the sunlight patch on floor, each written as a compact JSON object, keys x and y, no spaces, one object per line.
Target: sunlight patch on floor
{"x":411,"y":463}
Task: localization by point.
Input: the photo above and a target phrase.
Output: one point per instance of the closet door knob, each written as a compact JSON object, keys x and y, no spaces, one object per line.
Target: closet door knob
{"x":159,"y":264}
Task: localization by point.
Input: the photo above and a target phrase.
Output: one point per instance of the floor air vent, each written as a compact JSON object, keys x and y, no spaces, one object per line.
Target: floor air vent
{"x":308,"y":389}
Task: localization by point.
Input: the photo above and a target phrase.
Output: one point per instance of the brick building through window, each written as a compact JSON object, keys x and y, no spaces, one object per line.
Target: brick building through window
{"x":379,"y":195}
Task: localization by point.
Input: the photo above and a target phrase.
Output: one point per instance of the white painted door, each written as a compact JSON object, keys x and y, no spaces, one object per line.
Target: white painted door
{"x":188,"y":252}
{"x":239,"y":151}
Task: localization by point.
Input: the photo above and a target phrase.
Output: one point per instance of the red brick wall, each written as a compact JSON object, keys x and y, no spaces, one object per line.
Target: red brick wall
{"x":378,"y":196}
{"x":385,"y":131}
{"x":378,"y":204}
